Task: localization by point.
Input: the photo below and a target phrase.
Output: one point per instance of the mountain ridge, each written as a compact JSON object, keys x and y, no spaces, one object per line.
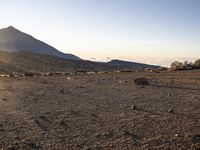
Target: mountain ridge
{"x":13,"y":40}
{"x":129,"y":64}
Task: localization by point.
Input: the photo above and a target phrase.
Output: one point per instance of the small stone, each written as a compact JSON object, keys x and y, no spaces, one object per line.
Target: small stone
{"x":62,"y":91}
{"x":196,"y":138}
{"x":69,"y":78}
{"x":169,"y":95}
{"x":141,"y":81}
{"x":176,"y":135}
{"x":133,"y":107}
{"x":170,"y":110}
{"x":4,"y":99}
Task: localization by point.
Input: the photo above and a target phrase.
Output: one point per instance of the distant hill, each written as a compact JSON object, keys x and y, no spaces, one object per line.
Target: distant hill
{"x":130,"y":65}
{"x":13,"y":40}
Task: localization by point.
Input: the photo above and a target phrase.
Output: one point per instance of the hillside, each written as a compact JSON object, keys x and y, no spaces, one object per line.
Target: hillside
{"x":130,"y":65}
{"x":23,"y":62}
{"x":31,"y":62}
{"x":13,"y":40}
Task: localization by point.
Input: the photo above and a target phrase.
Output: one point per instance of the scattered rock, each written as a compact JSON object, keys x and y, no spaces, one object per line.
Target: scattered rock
{"x":44,"y":118}
{"x":116,"y":78}
{"x":141,"y":81}
{"x":14,"y":75}
{"x":30,"y":74}
{"x":169,"y":95}
{"x":33,"y":146}
{"x":62,"y":91}
{"x":69,"y":78}
{"x":80,"y":86}
{"x":171,"y":110}
{"x":196,"y":138}
{"x":176,"y":135}
{"x":4,"y":99}
{"x":91,"y":73}
{"x":1,"y":128}
{"x":4,"y":76}
{"x":134,"y":107}
{"x":40,"y":125}
{"x":14,"y":147}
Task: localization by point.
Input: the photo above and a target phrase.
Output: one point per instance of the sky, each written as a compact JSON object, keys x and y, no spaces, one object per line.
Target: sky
{"x":107,"y":29}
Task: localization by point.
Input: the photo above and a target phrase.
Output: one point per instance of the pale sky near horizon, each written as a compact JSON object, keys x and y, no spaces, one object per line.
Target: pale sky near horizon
{"x":110,"y":28}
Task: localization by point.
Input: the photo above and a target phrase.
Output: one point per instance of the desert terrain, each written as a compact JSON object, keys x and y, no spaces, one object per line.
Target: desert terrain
{"x":101,"y":111}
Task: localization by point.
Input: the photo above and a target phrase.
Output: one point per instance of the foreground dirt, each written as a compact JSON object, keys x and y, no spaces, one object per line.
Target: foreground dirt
{"x":105,"y":111}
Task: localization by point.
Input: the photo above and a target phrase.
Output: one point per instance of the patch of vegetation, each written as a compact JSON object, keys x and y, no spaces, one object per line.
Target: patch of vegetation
{"x":176,"y":66}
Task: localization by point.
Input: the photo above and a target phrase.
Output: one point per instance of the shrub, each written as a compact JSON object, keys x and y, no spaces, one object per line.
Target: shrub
{"x":196,"y":64}
{"x":177,"y":66}
{"x":188,"y":66}
{"x":185,"y":65}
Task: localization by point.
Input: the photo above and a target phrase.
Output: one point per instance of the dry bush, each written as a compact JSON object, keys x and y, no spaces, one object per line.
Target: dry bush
{"x":196,"y":64}
{"x":177,"y":66}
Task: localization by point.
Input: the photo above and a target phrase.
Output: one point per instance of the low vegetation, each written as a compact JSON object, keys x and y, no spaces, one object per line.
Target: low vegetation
{"x":175,"y":66}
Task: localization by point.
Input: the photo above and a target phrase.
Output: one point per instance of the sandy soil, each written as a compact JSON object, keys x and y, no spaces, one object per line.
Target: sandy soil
{"x":106,"y":111}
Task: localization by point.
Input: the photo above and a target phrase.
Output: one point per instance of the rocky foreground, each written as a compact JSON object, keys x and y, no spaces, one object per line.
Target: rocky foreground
{"x":101,"y":111}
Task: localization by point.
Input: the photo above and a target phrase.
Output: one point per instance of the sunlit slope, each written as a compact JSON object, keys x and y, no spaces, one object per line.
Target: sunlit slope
{"x":13,"y":40}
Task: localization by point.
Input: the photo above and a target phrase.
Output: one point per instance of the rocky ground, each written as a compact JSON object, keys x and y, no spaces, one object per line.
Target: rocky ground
{"x":105,"y":111}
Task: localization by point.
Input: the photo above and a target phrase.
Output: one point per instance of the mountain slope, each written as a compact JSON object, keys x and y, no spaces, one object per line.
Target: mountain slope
{"x":130,"y":65}
{"x":31,"y":62}
{"x":13,"y":40}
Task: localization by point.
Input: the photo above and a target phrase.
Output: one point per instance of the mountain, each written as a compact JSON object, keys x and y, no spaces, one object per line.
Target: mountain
{"x":130,"y":65}
{"x":13,"y":40}
{"x":20,"y":52}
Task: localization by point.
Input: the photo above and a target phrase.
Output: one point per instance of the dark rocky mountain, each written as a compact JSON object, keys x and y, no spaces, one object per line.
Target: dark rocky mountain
{"x":130,"y":65}
{"x":13,"y":40}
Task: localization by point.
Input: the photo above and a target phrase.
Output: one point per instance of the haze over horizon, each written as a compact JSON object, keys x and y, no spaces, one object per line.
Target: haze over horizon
{"x":98,"y":30}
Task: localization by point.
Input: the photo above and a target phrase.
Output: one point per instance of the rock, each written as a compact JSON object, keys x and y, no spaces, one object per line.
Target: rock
{"x":4,"y":99}
{"x":32,"y":145}
{"x":171,"y":110}
{"x":91,"y":73}
{"x":169,"y":95}
{"x":141,"y":81}
{"x":30,"y":74}
{"x":14,"y":75}
{"x":4,"y":76}
{"x":134,"y":107}
{"x":117,"y":71}
{"x":69,"y":78}
{"x":62,"y":91}
{"x":196,"y":138}
{"x":116,"y":78}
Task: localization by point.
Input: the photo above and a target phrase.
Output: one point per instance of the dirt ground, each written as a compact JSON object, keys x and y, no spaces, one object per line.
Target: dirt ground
{"x":104,"y":111}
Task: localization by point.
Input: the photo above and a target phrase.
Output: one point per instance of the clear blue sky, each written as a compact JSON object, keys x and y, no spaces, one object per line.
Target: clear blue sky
{"x":110,"y":28}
